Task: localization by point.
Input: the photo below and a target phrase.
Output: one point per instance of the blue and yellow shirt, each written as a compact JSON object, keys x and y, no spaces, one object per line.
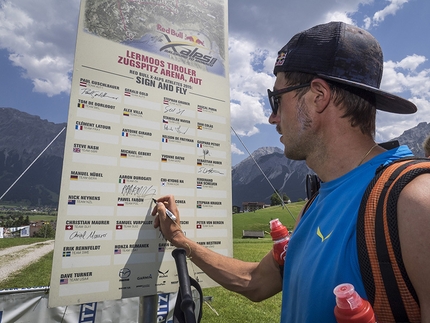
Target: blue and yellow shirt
{"x":322,"y":252}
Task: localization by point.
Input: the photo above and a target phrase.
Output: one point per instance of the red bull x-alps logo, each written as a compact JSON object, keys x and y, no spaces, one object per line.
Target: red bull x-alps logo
{"x":192,"y":47}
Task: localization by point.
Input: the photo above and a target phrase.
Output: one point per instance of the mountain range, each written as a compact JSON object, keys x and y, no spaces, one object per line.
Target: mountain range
{"x":23,"y":137}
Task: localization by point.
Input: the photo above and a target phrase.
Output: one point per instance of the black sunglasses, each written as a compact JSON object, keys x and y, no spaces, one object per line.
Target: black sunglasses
{"x":275,"y":95}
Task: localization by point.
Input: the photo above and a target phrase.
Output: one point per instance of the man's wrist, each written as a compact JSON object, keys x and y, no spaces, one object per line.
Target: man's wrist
{"x":174,"y":234}
{"x":177,"y":238}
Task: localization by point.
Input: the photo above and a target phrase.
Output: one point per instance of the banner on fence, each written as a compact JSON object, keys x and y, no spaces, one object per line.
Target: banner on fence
{"x":31,"y":305}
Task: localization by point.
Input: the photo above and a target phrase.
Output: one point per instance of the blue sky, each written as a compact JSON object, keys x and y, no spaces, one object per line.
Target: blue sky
{"x":37,"y":41}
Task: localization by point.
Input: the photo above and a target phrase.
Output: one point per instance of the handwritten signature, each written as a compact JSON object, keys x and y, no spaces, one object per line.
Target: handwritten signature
{"x":206,"y":152}
{"x":174,"y":110}
{"x":204,"y":170}
{"x":85,"y":235}
{"x":138,"y":190}
{"x":99,"y":94}
{"x":178,"y":129}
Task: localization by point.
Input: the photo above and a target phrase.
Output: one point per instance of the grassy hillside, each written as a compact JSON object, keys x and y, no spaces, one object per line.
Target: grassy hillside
{"x":259,"y":220}
{"x":6,"y":243}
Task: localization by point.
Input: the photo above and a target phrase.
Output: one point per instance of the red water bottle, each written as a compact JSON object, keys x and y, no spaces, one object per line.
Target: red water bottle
{"x":350,"y":307}
{"x":280,"y":237}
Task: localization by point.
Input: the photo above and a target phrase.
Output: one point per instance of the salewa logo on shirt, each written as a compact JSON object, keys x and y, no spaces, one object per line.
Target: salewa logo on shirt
{"x":319,"y":234}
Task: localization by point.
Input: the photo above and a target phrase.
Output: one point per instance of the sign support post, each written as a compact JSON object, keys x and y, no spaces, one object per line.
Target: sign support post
{"x":148,"y":309}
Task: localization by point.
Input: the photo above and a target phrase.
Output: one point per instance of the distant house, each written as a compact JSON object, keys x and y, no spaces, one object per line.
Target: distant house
{"x":36,"y":226}
{"x":252,"y":206}
{"x":236,"y":209}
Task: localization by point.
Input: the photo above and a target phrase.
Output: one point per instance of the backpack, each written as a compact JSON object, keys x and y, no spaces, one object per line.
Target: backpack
{"x":388,"y":287}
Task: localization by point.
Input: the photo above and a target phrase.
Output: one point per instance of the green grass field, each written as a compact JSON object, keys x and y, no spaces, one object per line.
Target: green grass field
{"x":6,"y":243}
{"x":231,"y":307}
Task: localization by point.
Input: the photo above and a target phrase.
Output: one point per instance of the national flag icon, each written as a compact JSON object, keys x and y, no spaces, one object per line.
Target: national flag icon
{"x":76,"y":150}
{"x":199,"y":164}
{"x":117,"y":252}
{"x":164,"y":140}
{"x":199,"y":109}
{"x":78,"y":127}
{"x":127,"y":93}
{"x":122,"y":180}
{"x":199,"y":127}
{"x":120,"y":204}
{"x":199,"y":146}
{"x":164,"y":160}
{"x":67,"y":253}
{"x":64,"y":281}
{"x":123,"y":155}
{"x":81,"y":105}
{"x":163,"y":183}
{"x":125,"y":113}
{"x":71,"y":202}
{"x":74,"y":177}
{"x":69,"y":227}
{"x":118,"y":227}
{"x":165,"y":121}
{"x":161,"y":249}
{"x":199,"y":186}
{"x":83,"y":84}
{"x":198,"y":226}
{"x":125,"y":134}
{"x":199,"y":206}
{"x":166,"y":101}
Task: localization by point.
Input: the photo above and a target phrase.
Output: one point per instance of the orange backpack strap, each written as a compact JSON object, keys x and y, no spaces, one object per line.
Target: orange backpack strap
{"x":385,"y":279}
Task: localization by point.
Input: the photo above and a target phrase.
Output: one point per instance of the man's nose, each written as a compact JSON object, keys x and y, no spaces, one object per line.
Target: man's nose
{"x":274,"y":118}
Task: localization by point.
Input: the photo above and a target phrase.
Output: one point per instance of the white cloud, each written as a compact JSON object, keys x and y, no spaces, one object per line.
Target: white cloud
{"x":411,"y":62}
{"x":235,"y":150}
{"x":380,"y":15}
{"x":40,"y":37}
{"x":339,"y":16}
{"x":249,"y":80}
{"x":405,"y":78}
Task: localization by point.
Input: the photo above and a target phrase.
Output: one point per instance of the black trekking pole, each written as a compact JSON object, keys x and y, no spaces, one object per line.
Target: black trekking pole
{"x":187,"y":304}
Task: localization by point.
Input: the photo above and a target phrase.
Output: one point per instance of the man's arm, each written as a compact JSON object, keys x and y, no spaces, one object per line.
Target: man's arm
{"x":413,"y":209}
{"x":256,"y":281}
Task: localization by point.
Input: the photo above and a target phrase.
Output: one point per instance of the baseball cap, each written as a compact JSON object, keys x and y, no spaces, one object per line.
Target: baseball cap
{"x":344,"y":54}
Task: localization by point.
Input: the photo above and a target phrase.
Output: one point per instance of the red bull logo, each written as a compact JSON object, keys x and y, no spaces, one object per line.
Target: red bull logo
{"x":280,"y":60}
{"x":195,"y":40}
{"x":170,"y":31}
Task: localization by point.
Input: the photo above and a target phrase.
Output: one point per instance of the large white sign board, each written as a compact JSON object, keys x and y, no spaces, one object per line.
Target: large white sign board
{"x":149,"y":115}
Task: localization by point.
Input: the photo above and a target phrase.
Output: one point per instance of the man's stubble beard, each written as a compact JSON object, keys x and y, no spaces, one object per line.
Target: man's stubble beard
{"x":297,"y":146}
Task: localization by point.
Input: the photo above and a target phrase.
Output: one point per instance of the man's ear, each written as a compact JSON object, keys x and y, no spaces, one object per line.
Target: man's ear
{"x":321,"y":94}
